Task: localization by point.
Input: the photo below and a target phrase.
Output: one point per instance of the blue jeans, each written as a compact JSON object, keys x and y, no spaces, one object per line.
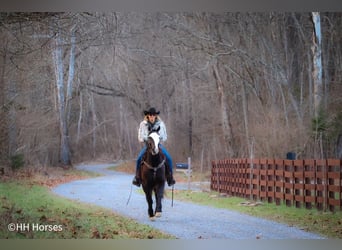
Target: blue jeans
{"x":164,"y":151}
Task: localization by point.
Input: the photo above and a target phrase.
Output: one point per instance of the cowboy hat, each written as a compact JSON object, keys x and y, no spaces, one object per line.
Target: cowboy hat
{"x":151,"y":111}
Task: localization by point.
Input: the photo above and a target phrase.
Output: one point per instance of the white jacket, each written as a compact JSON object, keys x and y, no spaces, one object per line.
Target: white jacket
{"x":143,"y":130}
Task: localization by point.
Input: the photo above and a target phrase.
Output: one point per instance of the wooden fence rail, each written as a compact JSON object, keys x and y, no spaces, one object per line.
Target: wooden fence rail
{"x":299,"y":183}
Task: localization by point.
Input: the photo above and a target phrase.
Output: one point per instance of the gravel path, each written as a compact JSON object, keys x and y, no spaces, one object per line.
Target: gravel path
{"x":183,"y":220}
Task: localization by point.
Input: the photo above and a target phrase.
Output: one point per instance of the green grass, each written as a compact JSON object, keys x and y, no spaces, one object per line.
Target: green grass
{"x":32,"y":204}
{"x":327,"y":224}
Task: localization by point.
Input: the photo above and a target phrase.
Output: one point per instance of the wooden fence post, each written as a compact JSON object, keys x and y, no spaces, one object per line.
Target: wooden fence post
{"x":298,"y":182}
{"x":309,"y":183}
{"x":334,"y":189}
{"x":320,"y":184}
{"x":288,"y":182}
{"x":279,"y":181}
{"x":270,"y":174}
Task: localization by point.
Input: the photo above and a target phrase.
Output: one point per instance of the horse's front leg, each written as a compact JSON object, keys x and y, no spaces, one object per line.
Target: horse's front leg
{"x":148,"y":195}
{"x":159,"y":193}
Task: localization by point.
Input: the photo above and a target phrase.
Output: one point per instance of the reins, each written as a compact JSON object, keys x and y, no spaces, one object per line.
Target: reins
{"x":130,"y":194}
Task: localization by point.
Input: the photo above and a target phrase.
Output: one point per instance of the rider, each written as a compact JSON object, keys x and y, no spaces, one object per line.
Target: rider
{"x":152,"y":121}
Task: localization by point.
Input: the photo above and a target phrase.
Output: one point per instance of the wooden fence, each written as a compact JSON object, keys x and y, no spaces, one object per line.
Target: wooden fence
{"x":299,"y":183}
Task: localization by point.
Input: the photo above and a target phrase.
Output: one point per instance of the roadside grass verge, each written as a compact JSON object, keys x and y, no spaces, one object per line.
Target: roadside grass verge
{"x":27,"y":202}
{"x":23,"y":204}
{"x":126,"y":167}
{"x":327,"y":224}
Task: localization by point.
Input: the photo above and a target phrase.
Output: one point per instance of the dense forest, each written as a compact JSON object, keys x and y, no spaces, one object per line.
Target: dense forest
{"x":73,"y":86}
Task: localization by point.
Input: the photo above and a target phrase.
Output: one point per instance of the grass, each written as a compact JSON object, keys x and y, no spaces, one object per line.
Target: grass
{"x":29,"y":201}
{"x":327,"y":224}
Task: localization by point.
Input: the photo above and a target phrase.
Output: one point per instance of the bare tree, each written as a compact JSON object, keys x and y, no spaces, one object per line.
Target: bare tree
{"x":59,"y":72}
{"x":317,"y":62}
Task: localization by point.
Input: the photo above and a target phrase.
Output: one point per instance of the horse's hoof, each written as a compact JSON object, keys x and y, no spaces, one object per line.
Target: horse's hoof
{"x":153,"y":218}
{"x":158,"y":214}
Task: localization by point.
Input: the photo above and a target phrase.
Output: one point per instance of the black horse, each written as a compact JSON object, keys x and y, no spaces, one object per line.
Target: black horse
{"x":153,"y":174}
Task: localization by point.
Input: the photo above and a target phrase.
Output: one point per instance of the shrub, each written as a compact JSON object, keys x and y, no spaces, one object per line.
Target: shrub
{"x":17,"y":161}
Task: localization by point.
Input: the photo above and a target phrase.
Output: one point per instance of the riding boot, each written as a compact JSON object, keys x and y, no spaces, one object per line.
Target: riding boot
{"x":170,"y":180}
{"x":137,"y":180}
{"x":169,"y":177}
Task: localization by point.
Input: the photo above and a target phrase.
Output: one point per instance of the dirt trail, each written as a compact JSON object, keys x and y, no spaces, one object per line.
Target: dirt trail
{"x":184,"y":220}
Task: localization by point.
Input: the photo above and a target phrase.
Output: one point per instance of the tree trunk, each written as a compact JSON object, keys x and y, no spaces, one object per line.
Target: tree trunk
{"x":59,"y":71}
{"x":71,"y":73}
{"x":4,"y":140}
{"x":339,"y":147}
{"x":12,"y":119}
{"x":226,"y":128}
{"x":245,"y":111}
{"x":79,"y":118}
{"x":190,"y":115}
{"x":317,"y":62}
{"x":95,"y":122}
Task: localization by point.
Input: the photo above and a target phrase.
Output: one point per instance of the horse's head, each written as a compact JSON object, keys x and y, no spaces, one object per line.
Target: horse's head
{"x":153,"y":143}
